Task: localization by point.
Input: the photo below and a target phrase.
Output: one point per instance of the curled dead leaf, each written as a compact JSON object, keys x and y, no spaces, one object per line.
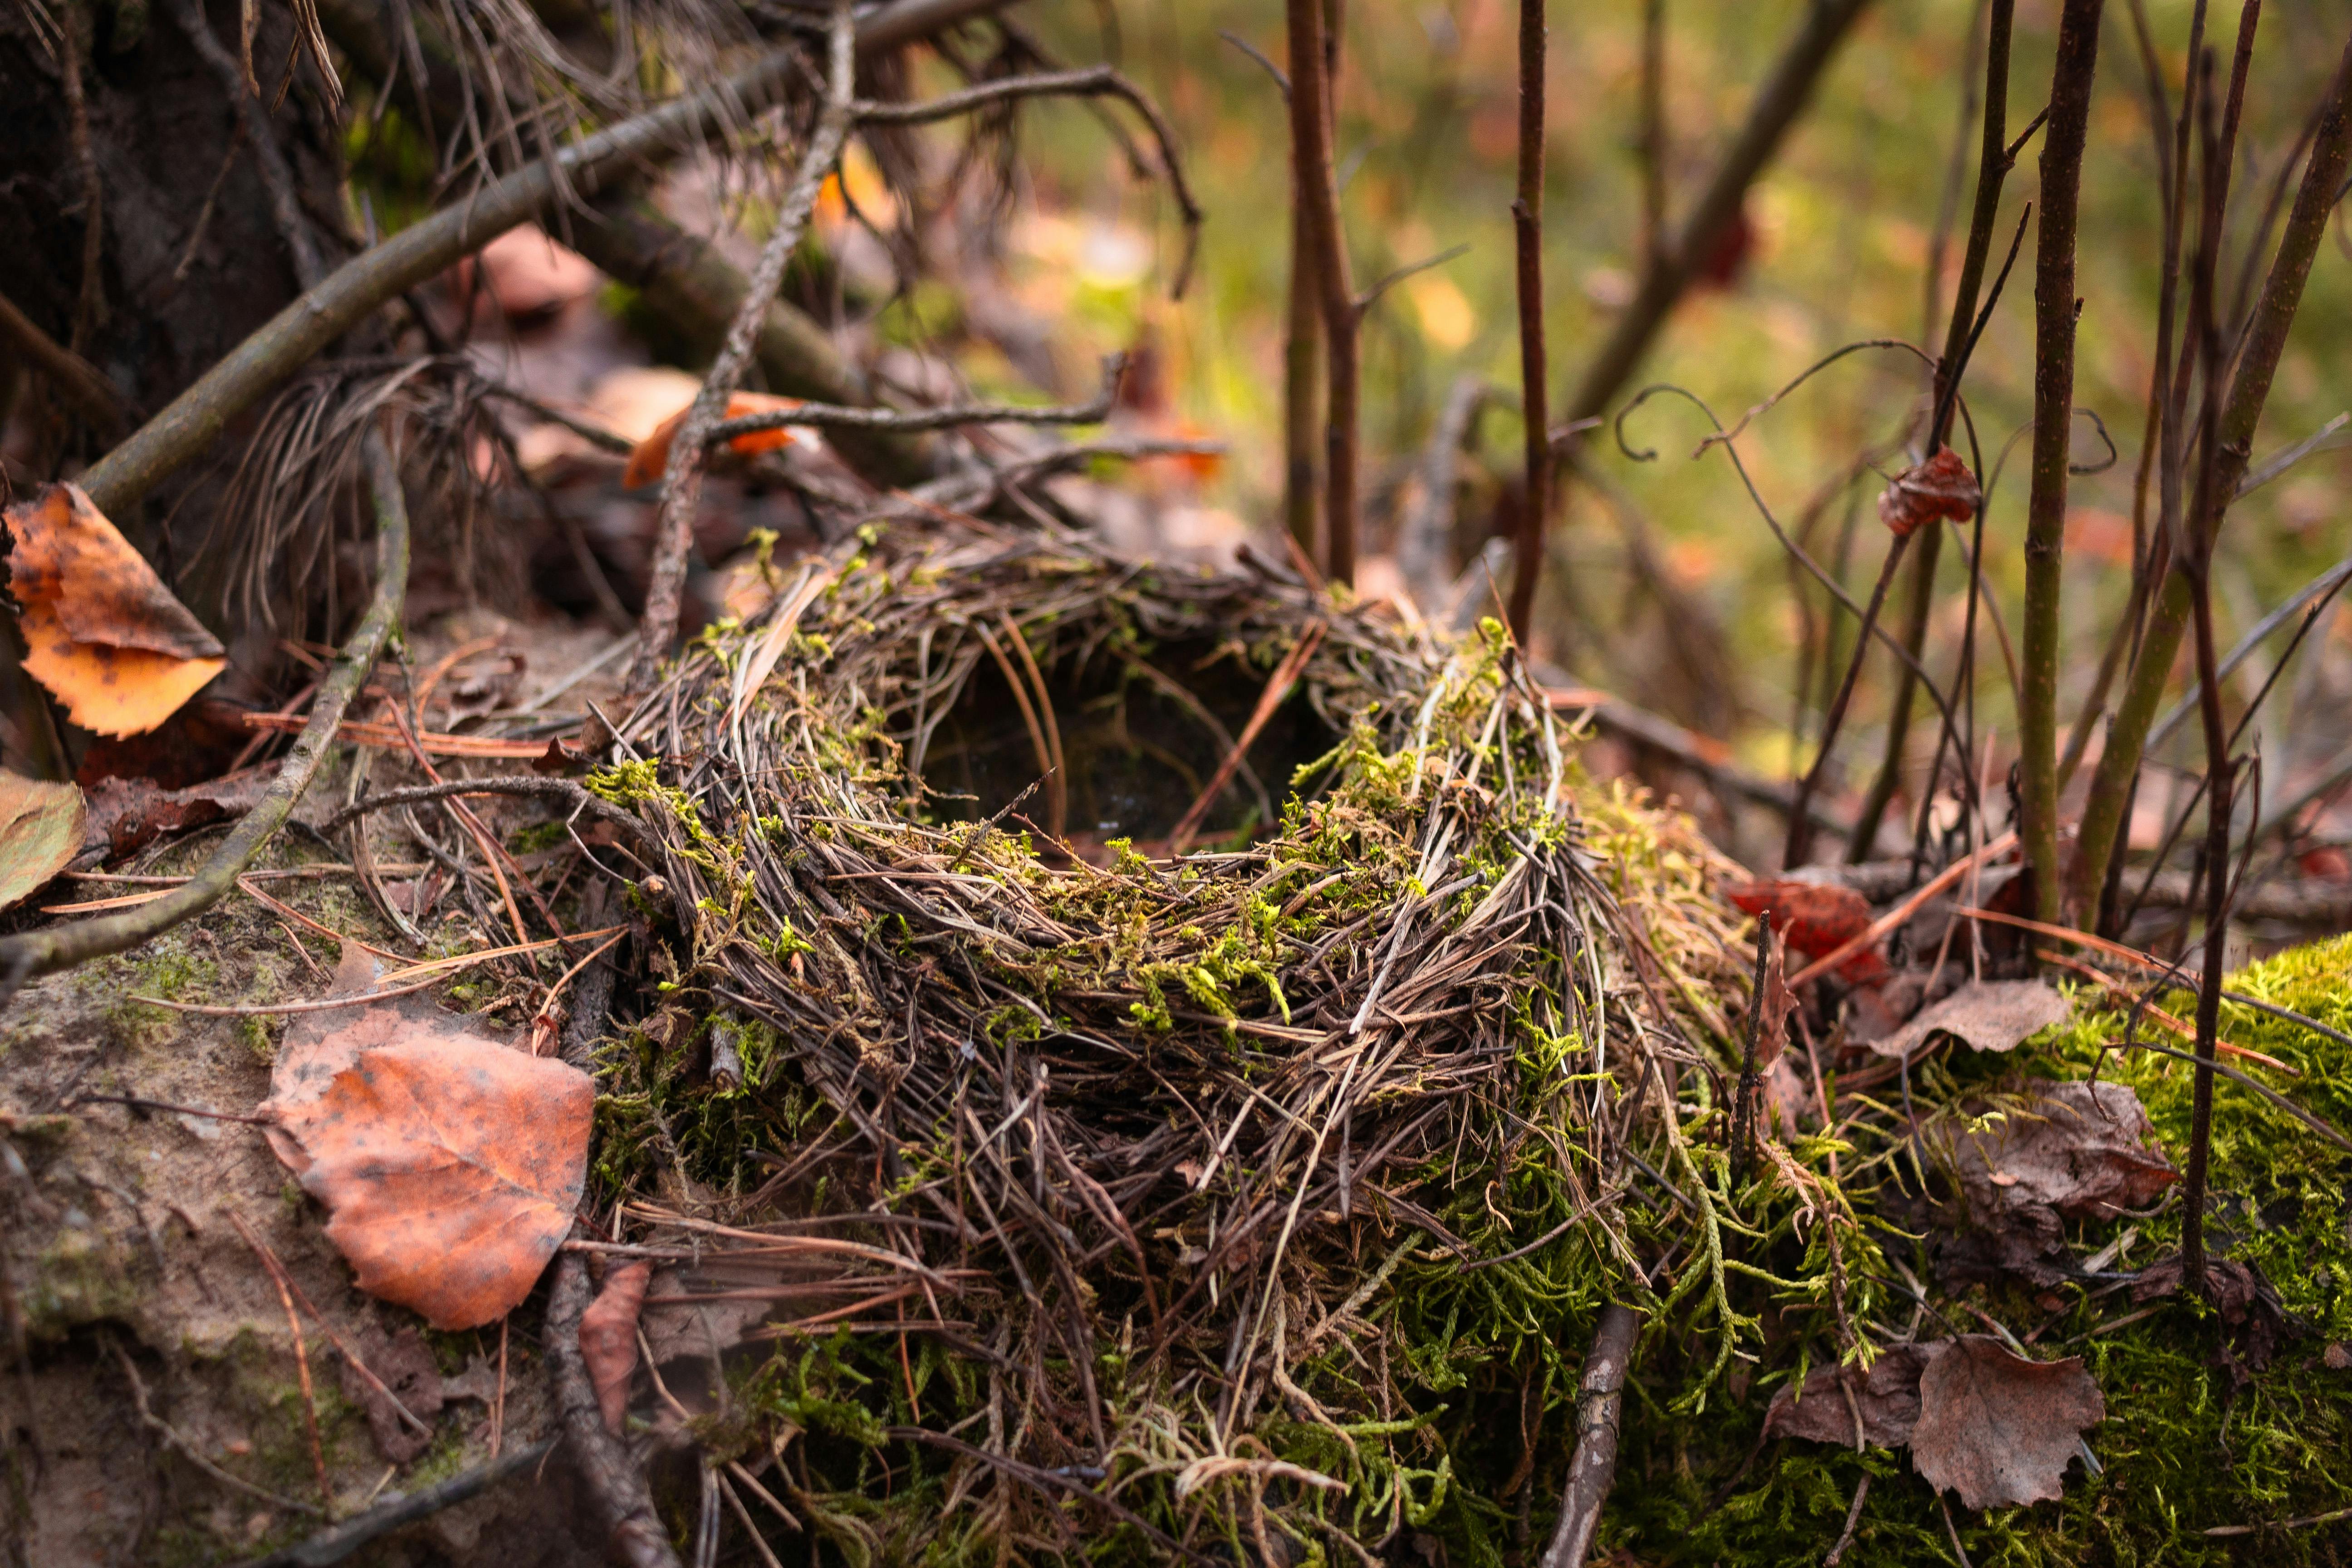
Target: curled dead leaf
{"x":1940,"y":488}
{"x":451,"y":1163}
{"x":102,"y":632}
{"x":1988,"y":1015}
{"x":608,"y":1339}
{"x":2086,"y":1150}
{"x":1997,"y":1428}
{"x":41,"y":828}
{"x":1777,"y":1003}
{"x":1812,"y":919}
{"x":650,"y":460}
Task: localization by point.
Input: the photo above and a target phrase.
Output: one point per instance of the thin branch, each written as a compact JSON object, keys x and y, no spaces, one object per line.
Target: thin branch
{"x":1317,"y":201}
{"x":1281,"y":78}
{"x":82,"y":383}
{"x":828,"y":416}
{"x":682,"y":477}
{"x":614,"y":1484}
{"x":334,"y":1544}
{"x":1370,"y":296}
{"x":30,"y":954}
{"x":562,"y":791}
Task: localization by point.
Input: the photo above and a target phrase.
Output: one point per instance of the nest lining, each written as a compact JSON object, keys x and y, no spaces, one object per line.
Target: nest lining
{"x":1171,"y":1168}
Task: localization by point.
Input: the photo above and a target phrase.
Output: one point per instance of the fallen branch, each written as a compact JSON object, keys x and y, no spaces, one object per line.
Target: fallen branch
{"x":334,"y":1545}
{"x":1594,"y":1466}
{"x":31,"y":953}
{"x":608,"y":1473}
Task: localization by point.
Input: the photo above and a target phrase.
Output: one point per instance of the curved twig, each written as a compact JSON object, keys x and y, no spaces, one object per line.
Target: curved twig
{"x":1804,"y":376}
{"x":61,"y":947}
{"x":624,"y":1503}
{"x":563,"y":790}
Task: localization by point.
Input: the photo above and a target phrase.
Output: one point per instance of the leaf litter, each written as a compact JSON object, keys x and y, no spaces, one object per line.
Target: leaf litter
{"x":41,"y":828}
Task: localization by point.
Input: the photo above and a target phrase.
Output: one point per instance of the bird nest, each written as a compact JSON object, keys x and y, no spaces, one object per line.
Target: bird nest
{"x":1174,"y":1203}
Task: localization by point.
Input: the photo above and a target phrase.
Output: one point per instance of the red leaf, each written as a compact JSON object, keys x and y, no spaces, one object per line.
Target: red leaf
{"x":608,"y":1339}
{"x":1940,"y":487}
{"x":1813,"y":917}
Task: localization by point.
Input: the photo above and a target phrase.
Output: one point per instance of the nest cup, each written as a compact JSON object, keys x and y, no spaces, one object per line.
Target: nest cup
{"x":1173,"y":1201}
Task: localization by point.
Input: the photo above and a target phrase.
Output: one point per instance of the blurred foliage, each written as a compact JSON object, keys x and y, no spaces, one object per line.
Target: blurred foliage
{"x":1844,"y":225}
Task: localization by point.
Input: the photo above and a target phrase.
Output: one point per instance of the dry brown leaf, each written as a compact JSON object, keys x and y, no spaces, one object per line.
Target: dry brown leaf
{"x":126,"y":815}
{"x":1813,"y":919}
{"x":41,"y":827}
{"x":451,"y":1163}
{"x":2081,"y":1149}
{"x":1997,"y":1428}
{"x":1941,"y":487}
{"x":103,"y":632}
{"x":608,"y":1339}
{"x":1988,"y":1015}
{"x":1778,"y":1002}
{"x":650,"y":460}
{"x":403,"y":1365}
{"x":1886,"y":1399}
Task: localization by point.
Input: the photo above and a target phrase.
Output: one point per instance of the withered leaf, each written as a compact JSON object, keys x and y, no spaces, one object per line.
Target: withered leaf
{"x":126,"y":815}
{"x":41,"y":827}
{"x":102,"y":632}
{"x":403,"y":1365}
{"x":1777,"y":1003}
{"x":451,"y":1165}
{"x":2083,"y":1150}
{"x":608,"y":1339}
{"x":1886,"y":1399}
{"x":1988,"y":1015}
{"x":1997,"y":1428}
{"x":1940,"y":488}
{"x":650,"y":460}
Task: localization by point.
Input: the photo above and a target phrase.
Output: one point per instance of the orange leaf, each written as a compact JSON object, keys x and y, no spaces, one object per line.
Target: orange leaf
{"x":451,"y":1163}
{"x":1940,"y":487}
{"x":104,"y":633}
{"x":651,"y":459}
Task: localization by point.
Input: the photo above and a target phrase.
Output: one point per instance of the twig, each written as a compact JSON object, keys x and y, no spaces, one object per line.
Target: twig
{"x":30,"y":954}
{"x":335,"y":1544}
{"x":83,"y":383}
{"x":2055,"y":309}
{"x":682,"y":475}
{"x":563,"y":791}
{"x":1853,"y":1518}
{"x":2303,"y":1524}
{"x":1593,"y":1467}
{"x":1091,"y":81}
{"x":624,"y":1502}
{"x":1951,"y":1530}
{"x":189,"y":1452}
{"x":1526,"y":230}
{"x":1743,"y":1115}
{"x":828,"y":416}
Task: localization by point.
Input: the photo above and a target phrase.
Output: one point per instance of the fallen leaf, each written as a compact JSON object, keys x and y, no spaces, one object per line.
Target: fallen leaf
{"x":1988,"y":1015}
{"x":2246,"y":1302}
{"x":103,"y":632}
{"x":1789,"y":1100}
{"x":1887,"y":1397}
{"x":1813,"y":917}
{"x":41,"y":827}
{"x":451,"y":1165}
{"x":1997,"y":1428}
{"x":1940,"y":488}
{"x":608,"y":1339}
{"x":650,"y":460}
{"x":126,"y":815}
{"x":2081,"y":1149}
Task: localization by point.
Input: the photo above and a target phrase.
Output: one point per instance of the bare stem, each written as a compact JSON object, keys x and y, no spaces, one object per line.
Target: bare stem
{"x":1593,"y":1467}
{"x":1527,"y":222}
{"x":1319,"y":204}
{"x":2265,"y":343}
{"x":2054,"y":311}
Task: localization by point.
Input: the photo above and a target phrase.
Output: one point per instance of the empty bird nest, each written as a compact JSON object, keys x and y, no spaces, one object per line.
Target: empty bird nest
{"x":1171,"y":1203}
